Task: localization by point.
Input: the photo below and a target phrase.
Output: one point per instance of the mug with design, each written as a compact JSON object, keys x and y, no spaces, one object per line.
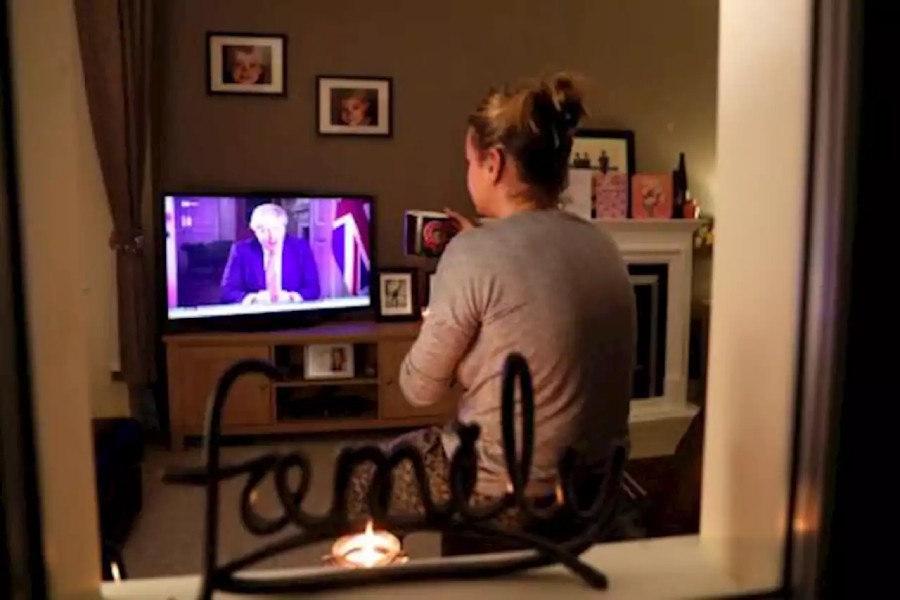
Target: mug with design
{"x":427,"y":233}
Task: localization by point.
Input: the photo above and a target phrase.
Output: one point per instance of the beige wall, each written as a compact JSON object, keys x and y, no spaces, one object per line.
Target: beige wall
{"x":77,"y":221}
{"x":764,"y":82}
{"x":652,"y":64}
{"x":67,"y":300}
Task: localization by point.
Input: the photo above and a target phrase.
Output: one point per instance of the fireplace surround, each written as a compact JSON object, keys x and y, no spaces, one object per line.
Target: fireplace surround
{"x":659,"y":253}
{"x":650,"y":283}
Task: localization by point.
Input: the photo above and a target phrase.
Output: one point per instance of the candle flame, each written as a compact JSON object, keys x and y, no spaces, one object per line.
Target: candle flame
{"x":560,"y":499}
{"x":367,"y":549}
{"x":114,"y":569}
{"x":369,"y":554}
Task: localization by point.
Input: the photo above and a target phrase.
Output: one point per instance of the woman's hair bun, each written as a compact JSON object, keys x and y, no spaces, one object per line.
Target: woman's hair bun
{"x":568,"y":100}
{"x":535,"y":123}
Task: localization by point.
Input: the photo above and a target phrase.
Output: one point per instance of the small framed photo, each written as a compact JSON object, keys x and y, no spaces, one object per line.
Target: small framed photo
{"x":328,"y":361}
{"x":354,"y":105}
{"x":398,"y":294}
{"x":239,"y":63}
{"x":601,"y":159}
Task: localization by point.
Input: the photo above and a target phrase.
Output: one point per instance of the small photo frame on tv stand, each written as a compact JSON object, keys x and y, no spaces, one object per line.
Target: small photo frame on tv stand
{"x":328,"y":361}
{"x":397,"y":295}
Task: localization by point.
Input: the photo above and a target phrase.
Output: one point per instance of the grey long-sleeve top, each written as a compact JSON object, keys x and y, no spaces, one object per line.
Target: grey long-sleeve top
{"x":554,"y":288}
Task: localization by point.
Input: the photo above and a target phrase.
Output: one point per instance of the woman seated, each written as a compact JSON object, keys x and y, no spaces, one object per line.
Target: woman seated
{"x":534,"y":280}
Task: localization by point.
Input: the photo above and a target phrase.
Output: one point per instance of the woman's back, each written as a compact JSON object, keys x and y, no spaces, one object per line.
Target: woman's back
{"x":554,"y":288}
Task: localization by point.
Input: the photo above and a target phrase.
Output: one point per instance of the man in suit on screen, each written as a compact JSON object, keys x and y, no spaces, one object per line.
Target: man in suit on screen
{"x":271,"y":267}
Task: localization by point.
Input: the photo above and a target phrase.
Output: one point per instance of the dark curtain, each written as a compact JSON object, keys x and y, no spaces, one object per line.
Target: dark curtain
{"x":115,"y":37}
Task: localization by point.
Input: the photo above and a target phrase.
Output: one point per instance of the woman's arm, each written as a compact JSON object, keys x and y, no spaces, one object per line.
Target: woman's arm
{"x":454,"y":318}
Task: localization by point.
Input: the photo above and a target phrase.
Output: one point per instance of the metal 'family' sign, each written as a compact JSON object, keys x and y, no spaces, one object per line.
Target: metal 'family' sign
{"x":454,"y":514}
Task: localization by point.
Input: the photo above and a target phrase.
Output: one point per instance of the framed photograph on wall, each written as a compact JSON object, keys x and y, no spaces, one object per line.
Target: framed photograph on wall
{"x":602,"y":161}
{"x":397,"y":294}
{"x":241,"y":63}
{"x":328,"y":361}
{"x":348,"y":105}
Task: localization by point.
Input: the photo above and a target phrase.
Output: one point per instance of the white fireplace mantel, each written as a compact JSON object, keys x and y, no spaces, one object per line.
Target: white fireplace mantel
{"x":658,"y":424}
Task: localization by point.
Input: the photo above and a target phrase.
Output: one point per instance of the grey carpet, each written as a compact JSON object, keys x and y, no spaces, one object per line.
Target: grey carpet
{"x":167,"y":536}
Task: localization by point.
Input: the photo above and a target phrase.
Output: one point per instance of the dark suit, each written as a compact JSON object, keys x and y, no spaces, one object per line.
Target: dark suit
{"x":245,"y":274}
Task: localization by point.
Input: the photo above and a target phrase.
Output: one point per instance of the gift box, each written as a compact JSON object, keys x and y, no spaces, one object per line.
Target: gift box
{"x":427,"y":233}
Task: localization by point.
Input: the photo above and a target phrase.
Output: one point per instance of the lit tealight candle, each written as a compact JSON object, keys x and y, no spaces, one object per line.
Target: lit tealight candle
{"x":369,"y":552}
{"x":366,"y":550}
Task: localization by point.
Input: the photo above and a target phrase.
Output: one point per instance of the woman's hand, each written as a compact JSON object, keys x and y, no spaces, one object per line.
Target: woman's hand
{"x":462,"y":223}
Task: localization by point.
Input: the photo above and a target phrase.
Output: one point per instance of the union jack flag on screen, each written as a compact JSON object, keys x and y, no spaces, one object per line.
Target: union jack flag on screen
{"x":350,"y":243}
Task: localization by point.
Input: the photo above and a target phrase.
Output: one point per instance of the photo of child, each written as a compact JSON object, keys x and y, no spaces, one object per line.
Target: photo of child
{"x":358,"y":106}
{"x":246,"y":65}
{"x":338,"y":359}
{"x":395,"y":293}
{"x":354,"y":107}
{"x":398,"y":294}
{"x":328,"y":361}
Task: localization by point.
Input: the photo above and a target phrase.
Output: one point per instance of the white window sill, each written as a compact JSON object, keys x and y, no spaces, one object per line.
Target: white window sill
{"x":677,"y":567}
{"x":657,"y":426}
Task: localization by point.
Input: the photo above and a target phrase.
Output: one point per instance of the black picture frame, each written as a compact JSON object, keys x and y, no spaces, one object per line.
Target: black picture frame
{"x":613,"y":134}
{"x":412,"y":285}
{"x":618,"y":135}
{"x":215,"y":84}
{"x":383,"y":113}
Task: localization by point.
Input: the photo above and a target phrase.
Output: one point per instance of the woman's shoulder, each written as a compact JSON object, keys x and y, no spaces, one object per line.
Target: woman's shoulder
{"x":466,"y":253}
{"x":471,"y":241}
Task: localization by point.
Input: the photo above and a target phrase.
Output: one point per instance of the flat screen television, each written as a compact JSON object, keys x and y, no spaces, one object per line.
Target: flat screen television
{"x":264,"y":261}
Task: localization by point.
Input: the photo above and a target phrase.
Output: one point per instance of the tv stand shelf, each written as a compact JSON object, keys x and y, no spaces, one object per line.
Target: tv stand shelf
{"x":327,"y":382}
{"x":257,"y":406}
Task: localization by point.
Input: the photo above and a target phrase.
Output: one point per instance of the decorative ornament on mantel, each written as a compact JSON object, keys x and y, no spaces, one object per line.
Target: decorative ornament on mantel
{"x":375,"y":556}
{"x":703,"y":236}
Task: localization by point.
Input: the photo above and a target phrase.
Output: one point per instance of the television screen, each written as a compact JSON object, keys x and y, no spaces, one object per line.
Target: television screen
{"x":257,"y":255}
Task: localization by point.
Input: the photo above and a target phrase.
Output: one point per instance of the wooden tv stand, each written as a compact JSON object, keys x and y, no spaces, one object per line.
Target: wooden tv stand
{"x":258,"y":406}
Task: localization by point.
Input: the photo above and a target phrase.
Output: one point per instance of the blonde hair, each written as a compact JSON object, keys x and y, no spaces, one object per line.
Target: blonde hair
{"x":268,"y":210}
{"x":534,"y":123}
{"x":358,"y":94}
